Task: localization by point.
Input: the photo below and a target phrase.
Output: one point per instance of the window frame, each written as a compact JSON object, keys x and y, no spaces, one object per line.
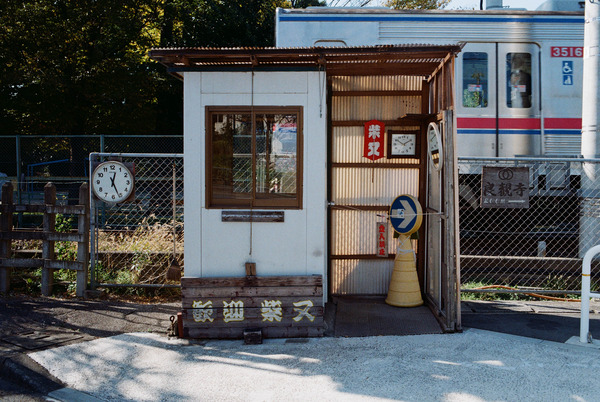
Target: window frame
{"x":263,"y":200}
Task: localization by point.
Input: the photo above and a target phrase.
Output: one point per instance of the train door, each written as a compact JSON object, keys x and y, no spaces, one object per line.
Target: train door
{"x":499,"y":100}
{"x":519,"y":124}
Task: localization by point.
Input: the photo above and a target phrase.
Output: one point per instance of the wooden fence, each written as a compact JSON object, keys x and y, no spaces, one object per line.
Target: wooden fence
{"x":48,"y":235}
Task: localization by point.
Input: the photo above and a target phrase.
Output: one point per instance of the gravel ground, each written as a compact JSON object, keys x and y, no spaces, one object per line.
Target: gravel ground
{"x":472,"y":366}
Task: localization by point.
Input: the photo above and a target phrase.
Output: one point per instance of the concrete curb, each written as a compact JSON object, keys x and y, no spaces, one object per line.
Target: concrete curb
{"x":20,"y":369}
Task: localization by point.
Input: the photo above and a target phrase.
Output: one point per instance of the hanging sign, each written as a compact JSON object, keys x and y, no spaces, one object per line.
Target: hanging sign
{"x":382,"y":239}
{"x":373,"y":148}
{"x":505,"y":187}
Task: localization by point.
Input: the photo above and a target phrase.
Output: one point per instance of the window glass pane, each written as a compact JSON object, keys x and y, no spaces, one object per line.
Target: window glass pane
{"x":518,"y":82}
{"x":276,"y":141}
{"x":475,"y":79}
{"x":231,"y":155}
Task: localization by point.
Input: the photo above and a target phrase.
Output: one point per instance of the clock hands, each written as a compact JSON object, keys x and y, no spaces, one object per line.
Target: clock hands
{"x":112,"y":183}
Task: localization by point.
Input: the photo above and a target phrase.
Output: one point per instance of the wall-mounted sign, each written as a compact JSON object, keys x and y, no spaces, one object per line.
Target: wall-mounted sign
{"x":382,"y":228}
{"x":373,"y":148}
{"x":505,"y":187}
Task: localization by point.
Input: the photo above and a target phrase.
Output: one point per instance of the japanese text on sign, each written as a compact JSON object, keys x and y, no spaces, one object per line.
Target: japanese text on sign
{"x":233,"y":311}
{"x":382,"y":239}
{"x":374,"y":137}
{"x":505,"y":187}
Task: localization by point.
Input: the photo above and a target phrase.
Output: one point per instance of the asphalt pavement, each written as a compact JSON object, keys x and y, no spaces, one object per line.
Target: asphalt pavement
{"x":113,"y":350}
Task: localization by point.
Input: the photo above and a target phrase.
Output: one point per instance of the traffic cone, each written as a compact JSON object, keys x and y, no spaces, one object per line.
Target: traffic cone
{"x":404,"y":288}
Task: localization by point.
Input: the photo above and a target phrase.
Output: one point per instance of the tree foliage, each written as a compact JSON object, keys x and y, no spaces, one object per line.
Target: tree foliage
{"x":417,"y":4}
{"x":80,"y":67}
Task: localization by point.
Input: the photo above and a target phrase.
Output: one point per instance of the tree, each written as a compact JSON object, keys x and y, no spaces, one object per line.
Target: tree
{"x":417,"y":4}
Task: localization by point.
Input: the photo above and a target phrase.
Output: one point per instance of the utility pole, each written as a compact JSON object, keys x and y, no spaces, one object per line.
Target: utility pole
{"x":590,"y":130}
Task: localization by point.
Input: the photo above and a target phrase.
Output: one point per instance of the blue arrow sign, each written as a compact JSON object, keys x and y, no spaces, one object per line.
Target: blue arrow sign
{"x":406,"y":214}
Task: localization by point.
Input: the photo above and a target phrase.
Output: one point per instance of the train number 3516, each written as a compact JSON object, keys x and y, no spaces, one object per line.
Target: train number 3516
{"x":566,"y":51}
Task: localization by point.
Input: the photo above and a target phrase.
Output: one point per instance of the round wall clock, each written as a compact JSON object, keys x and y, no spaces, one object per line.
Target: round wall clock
{"x":434,"y":146}
{"x":112,"y":182}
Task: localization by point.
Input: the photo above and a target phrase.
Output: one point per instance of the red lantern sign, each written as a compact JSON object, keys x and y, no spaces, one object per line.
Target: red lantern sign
{"x":374,"y":133}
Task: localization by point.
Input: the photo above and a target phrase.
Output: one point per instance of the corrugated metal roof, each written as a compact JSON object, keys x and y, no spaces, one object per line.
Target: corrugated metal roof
{"x":408,"y":59}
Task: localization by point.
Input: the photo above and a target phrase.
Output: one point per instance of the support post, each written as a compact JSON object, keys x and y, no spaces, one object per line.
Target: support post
{"x":47,"y":245}
{"x":83,"y":247}
{"x":6,"y":218}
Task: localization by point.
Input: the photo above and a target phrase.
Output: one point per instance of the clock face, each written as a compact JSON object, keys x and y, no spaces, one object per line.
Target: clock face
{"x":404,"y":144}
{"x":112,"y":182}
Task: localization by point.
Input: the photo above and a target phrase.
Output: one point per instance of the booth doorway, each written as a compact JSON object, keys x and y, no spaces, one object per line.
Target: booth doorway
{"x":360,"y":193}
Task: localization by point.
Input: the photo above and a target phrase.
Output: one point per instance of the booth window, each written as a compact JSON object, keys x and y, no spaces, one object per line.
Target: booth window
{"x":475,"y":79}
{"x":518,"y":72}
{"x":254,"y":157}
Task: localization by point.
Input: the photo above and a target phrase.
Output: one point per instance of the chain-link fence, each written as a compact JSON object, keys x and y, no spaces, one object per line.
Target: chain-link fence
{"x":137,"y":242}
{"x":526,"y":223}
{"x":31,"y":161}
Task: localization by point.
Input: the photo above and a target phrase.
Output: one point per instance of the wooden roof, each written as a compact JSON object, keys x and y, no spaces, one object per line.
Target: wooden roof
{"x":419,"y":60}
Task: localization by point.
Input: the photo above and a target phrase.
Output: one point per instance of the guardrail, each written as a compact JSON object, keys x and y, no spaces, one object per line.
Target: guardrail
{"x":585,"y":336}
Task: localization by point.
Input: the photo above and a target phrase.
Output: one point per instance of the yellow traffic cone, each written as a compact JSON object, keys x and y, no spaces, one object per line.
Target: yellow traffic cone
{"x":404,"y":288}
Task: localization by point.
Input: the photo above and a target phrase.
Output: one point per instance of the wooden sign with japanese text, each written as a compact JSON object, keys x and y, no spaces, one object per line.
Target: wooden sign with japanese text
{"x":382,"y":236}
{"x":280,"y":306}
{"x":374,"y":140}
{"x":505,"y":187}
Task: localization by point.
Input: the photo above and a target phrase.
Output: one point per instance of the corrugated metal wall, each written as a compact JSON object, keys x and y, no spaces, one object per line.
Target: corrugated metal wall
{"x":361,"y":192}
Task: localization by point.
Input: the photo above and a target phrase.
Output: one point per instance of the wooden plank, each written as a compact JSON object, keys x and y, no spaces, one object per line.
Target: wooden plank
{"x":388,"y":123}
{"x":258,"y":281}
{"x":21,"y":263}
{"x":38,"y":235}
{"x":187,"y":302}
{"x":66,"y":209}
{"x":269,"y":291}
{"x":238,"y":333}
{"x":4,"y":208}
{"x":252,"y":318}
{"x":6,"y":227}
{"x":72,"y":265}
{"x":83,"y":246}
{"x":48,"y":245}
{"x":378,"y":165}
{"x":376,"y":93}
{"x":252,"y":216}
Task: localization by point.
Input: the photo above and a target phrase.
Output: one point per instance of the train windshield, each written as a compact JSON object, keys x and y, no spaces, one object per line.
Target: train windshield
{"x":475,"y":79}
{"x":518,"y":73}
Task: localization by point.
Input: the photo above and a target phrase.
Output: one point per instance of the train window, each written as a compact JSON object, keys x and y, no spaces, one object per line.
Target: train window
{"x":518,"y":82}
{"x":475,"y":79}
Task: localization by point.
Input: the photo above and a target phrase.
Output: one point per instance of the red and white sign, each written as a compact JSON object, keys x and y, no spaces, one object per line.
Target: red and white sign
{"x":382,"y":239}
{"x":566,"y":51}
{"x":374,"y":133}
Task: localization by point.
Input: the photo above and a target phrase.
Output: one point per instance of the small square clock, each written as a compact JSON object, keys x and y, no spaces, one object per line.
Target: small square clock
{"x":403,"y":144}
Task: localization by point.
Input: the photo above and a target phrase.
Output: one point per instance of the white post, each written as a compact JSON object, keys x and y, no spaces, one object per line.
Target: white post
{"x":590,"y":130}
{"x":584,"y":325}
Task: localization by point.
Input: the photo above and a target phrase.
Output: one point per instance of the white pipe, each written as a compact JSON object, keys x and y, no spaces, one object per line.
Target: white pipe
{"x":584,"y":325}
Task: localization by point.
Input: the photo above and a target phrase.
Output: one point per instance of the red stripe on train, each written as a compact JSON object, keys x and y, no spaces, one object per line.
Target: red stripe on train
{"x":490,"y":122}
{"x":564,"y":123}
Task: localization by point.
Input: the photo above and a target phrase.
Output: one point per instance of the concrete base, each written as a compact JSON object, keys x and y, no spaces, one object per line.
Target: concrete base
{"x":575,"y":340}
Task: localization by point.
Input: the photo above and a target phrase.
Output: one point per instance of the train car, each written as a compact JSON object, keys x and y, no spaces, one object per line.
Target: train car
{"x":518,"y":78}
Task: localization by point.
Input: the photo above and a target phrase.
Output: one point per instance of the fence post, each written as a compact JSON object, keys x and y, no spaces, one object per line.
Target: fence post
{"x":83,"y":247}
{"x":6,"y":218}
{"x":48,"y":246}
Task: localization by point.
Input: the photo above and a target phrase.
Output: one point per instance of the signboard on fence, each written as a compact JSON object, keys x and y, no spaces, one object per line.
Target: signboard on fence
{"x":505,"y":187}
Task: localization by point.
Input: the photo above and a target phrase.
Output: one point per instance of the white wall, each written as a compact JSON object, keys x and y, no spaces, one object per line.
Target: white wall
{"x":294,"y":247}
